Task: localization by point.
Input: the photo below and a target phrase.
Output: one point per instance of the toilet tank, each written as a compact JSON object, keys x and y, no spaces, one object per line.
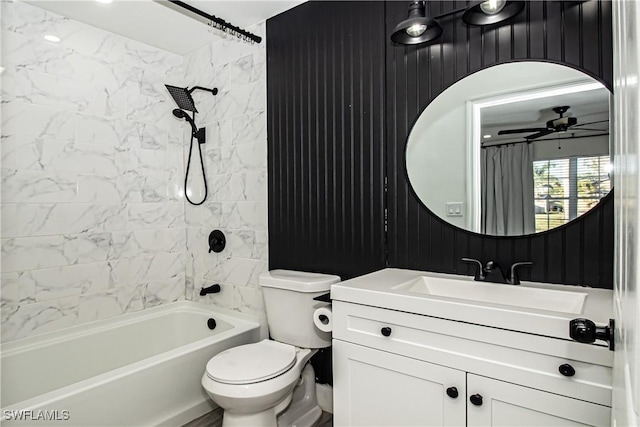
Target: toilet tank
{"x":289,"y":302}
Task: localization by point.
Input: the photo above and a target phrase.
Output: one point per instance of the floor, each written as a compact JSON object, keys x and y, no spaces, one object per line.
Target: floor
{"x":214,"y":419}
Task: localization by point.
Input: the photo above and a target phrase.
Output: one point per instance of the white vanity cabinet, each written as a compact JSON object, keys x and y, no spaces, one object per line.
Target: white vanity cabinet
{"x":393,"y":368}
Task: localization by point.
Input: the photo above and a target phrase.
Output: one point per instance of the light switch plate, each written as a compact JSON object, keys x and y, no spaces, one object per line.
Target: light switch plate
{"x":454,"y":209}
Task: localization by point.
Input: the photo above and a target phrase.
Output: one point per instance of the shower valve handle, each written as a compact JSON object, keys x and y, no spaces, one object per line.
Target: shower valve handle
{"x":217,"y":241}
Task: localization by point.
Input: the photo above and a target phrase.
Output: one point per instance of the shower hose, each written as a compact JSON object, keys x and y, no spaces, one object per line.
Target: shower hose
{"x":186,"y":175}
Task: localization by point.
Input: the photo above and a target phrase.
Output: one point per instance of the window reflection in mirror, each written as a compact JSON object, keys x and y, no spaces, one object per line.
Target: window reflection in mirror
{"x":567,"y":188}
{"x":513,"y":149}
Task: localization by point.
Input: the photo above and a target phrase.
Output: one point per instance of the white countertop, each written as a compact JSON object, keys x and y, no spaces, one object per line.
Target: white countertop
{"x":375,"y":289}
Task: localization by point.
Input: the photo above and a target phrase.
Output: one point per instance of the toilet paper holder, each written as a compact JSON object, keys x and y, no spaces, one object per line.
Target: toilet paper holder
{"x":324,"y":297}
{"x":323,"y":319}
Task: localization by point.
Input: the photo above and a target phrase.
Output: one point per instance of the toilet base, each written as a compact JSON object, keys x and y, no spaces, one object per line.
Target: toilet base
{"x":304,"y":409}
{"x":266,"y":418}
{"x":299,"y":409}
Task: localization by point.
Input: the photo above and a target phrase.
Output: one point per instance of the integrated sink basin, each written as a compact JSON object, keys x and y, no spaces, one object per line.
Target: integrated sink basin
{"x":543,"y":309}
{"x":511,"y":295}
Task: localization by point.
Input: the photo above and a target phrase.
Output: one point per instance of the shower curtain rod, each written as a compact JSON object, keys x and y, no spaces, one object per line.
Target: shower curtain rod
{"x":529,"y":141}
{"x":218,"y":23}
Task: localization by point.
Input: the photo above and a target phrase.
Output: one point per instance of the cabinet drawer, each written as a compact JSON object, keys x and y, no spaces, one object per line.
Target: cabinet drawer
{"x":473,"y":348}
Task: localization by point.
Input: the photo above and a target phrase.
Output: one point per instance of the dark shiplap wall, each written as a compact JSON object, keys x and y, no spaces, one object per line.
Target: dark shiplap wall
{"x":341,"y":101}
{"x":325,"y":108}
{"x":572,"y":33}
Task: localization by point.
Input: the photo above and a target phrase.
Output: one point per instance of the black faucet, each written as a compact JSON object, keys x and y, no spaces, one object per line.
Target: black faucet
{"x":492,"y":272}
{"x":479,"y":276}
{"x":513,"y":278}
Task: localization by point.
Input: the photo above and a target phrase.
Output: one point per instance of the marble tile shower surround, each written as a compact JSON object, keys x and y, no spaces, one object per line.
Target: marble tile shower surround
{"x":236,"y":163}
{"x":92,"y":210}
{"x":94,"y":222}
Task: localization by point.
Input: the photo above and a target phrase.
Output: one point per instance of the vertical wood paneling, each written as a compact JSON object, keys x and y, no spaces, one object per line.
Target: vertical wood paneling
{"x":536,"y":33}
{"x":574,"y":33}
{"x":605,"y":25}
{"x":325,"y":100}
{"x":341,"y":102}
{"x":554,"y":31}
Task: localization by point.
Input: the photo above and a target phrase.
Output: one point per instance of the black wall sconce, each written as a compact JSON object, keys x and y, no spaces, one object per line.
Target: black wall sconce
{"x":491,"y":11}
{"x":419,"y":28}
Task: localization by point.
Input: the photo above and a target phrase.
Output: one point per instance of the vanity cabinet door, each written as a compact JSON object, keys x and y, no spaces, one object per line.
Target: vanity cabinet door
{"x":376,"y":388}
{"x":497,"y":403}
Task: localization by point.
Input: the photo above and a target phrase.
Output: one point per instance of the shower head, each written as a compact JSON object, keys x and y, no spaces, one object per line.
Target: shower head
{"x":182,"y":97}
{"x":199,"y":134}
{"x":181,"y":114}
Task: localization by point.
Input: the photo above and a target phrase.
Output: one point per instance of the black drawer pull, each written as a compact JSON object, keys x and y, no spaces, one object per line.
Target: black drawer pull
{"x":567,"y":370}
{"x":386,"y":331}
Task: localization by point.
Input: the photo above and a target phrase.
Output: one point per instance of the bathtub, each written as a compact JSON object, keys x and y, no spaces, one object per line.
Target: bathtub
{"x":140,"y":369}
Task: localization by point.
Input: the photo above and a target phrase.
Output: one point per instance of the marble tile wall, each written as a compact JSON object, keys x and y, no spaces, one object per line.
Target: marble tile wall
{"x":235,"y":158}
{"x":93,"y":213}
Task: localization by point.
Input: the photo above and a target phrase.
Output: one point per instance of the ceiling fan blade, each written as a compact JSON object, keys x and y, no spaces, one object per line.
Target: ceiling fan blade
{"x":510,"y":131}
{"x":591,"y":123}
{"x":589,"y":129}
{"x":539,"y":134}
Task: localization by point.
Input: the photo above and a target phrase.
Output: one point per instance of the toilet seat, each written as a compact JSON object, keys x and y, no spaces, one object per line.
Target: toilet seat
{"x":251,"y":363}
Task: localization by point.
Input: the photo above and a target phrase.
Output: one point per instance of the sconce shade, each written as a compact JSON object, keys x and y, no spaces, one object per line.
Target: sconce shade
{"x":474,"y":15}
{"x":417,"y":28}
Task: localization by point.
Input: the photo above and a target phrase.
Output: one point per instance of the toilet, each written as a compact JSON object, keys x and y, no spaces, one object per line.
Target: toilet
{"x":270,"y":383}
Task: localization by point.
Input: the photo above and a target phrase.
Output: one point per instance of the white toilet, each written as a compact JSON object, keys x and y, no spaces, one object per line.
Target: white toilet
{"x":255,"y":383}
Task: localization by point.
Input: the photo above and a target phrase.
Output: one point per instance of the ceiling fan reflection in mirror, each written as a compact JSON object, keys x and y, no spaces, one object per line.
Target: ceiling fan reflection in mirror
{"x":560,"y":124}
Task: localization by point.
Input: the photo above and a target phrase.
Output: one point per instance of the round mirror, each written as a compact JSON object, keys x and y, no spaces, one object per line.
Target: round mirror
{"x":513,"y":149}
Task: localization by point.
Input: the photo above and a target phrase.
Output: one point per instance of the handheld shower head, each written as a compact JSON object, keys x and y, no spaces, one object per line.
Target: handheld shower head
{"x":181,"y":114}
{"x":198,"y":133}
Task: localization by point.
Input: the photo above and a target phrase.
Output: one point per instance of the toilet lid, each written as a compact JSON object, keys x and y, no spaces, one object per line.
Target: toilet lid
{"x":251,"y":363}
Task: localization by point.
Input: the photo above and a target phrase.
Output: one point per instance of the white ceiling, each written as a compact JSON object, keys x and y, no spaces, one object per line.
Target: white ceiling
{"x":588,"y":106}
{"x":149,"y":22}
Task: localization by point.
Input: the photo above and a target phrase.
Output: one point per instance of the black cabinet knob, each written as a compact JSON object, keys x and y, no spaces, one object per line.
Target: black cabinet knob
{"x":567,"y":370}
{"x":386,"y":331}
{"x":452,"y":392}
{"x":476,"y":399}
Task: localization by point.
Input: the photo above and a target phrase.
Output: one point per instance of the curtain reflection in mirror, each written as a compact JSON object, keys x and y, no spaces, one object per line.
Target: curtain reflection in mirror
{"x":507,"y":190}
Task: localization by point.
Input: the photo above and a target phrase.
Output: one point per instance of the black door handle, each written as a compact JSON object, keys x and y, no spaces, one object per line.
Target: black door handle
{"x":585,"y":331}
{"x":386,"y":331}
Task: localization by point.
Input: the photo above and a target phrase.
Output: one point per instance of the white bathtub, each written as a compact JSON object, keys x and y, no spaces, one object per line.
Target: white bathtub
{"x":139,"y":369}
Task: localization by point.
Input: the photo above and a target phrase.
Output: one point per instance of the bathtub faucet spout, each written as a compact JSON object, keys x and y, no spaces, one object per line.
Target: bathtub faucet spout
{"x":213,"y":289}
